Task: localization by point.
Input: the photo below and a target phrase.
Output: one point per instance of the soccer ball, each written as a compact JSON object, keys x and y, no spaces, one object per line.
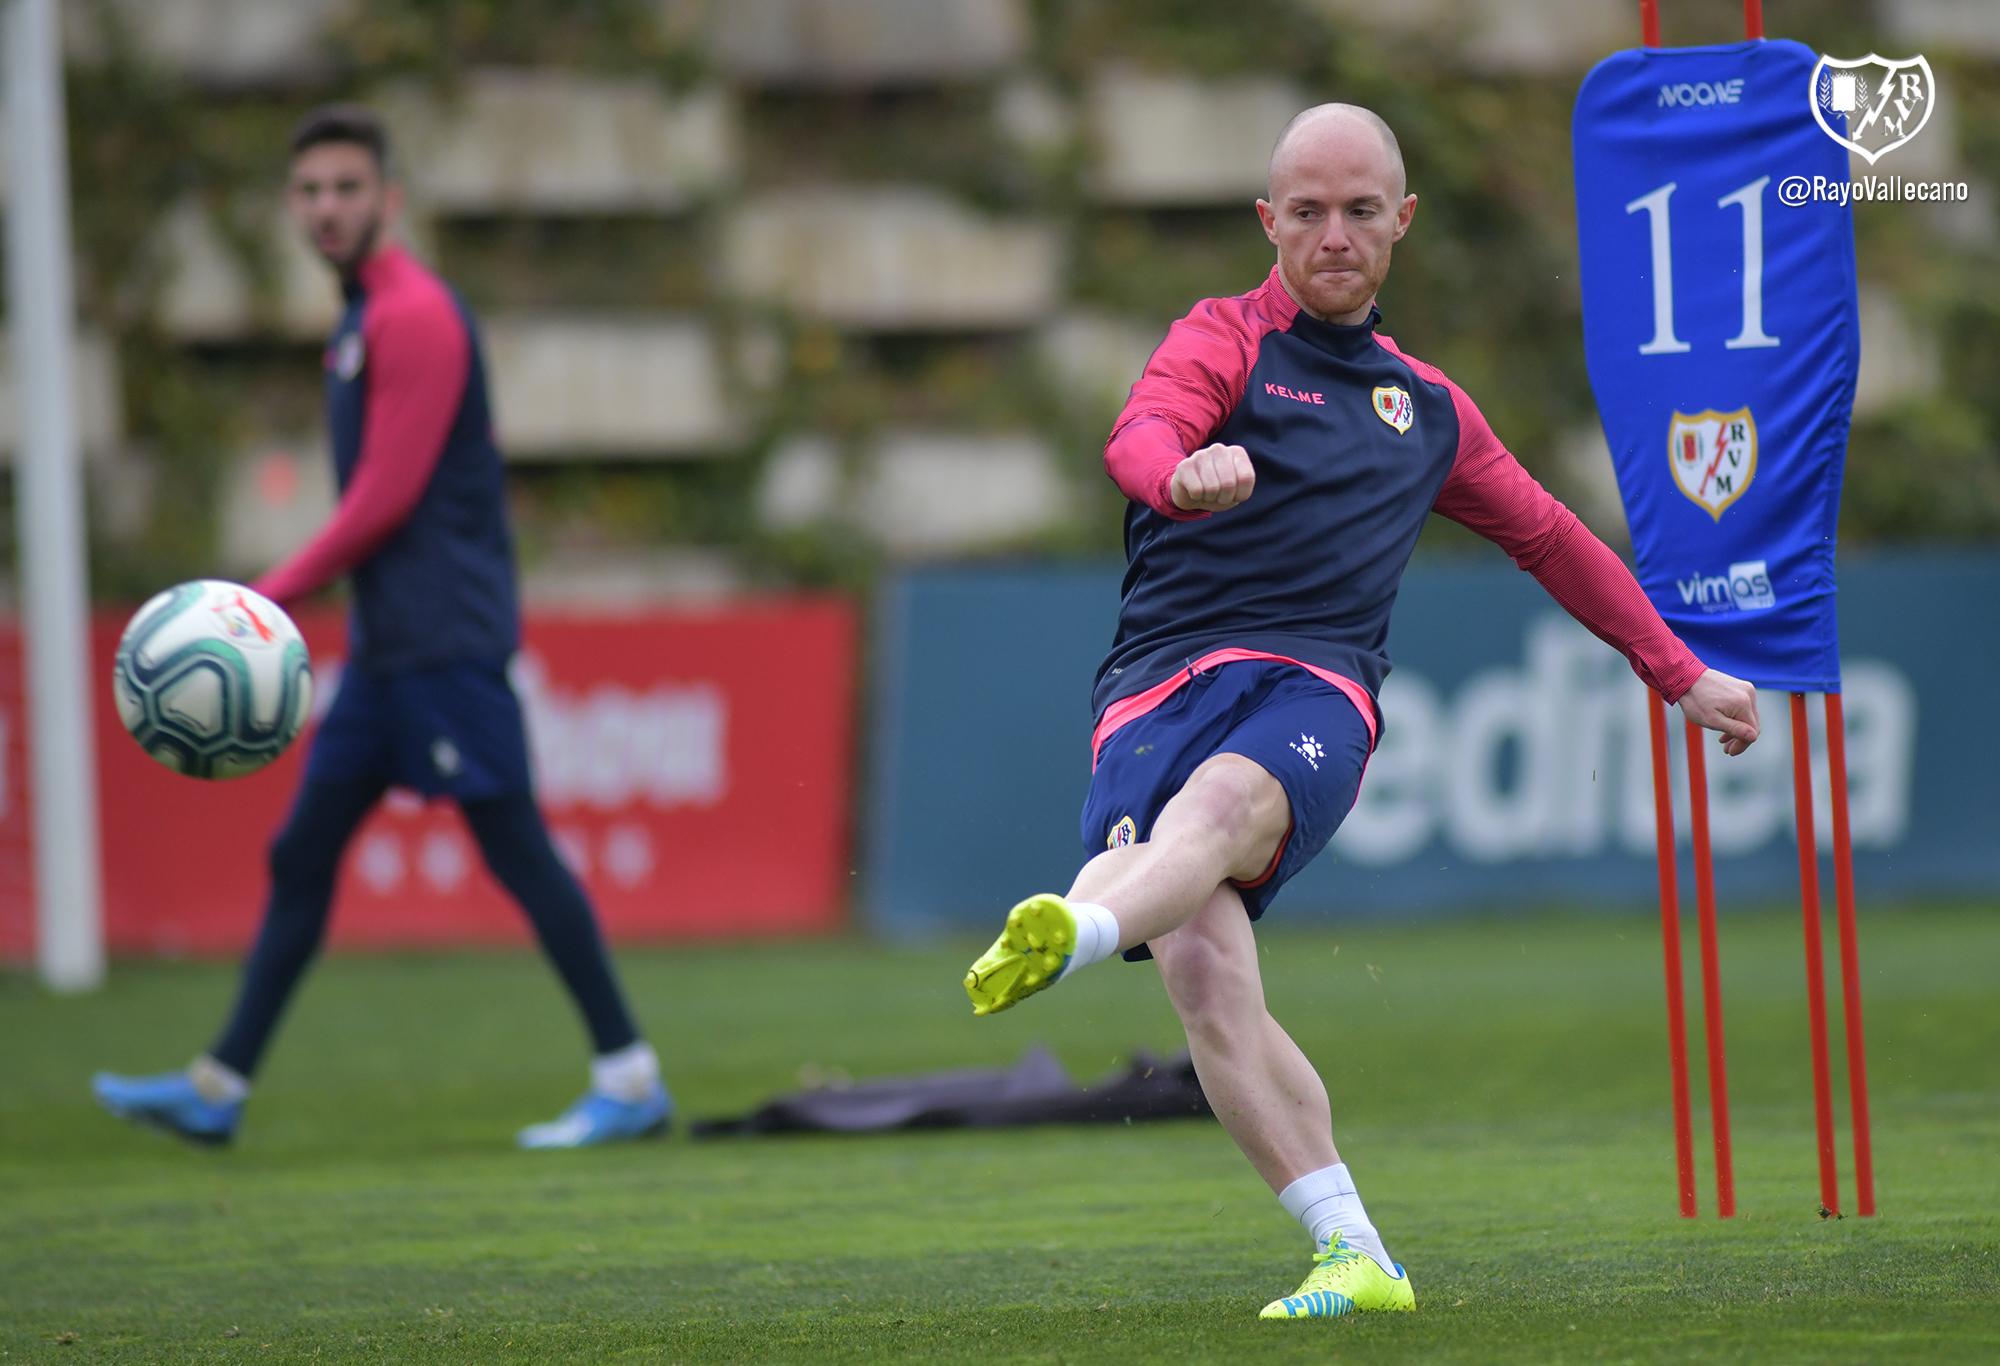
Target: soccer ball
{"x":212,"y":679}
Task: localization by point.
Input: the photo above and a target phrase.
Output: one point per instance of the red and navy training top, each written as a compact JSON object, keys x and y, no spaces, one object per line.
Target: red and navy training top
{"x":422,"y":520}
{"x":1354,"y":444}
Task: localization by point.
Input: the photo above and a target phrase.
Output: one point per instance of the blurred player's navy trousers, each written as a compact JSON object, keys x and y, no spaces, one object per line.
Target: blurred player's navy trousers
{"x":306,"y":856}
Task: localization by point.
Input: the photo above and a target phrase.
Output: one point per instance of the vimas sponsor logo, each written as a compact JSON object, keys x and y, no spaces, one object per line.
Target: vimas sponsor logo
{"x":1688,"y":95}
{"x":1745,"y":588}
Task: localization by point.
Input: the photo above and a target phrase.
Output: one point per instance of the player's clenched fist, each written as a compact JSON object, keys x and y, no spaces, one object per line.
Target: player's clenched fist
{"x":1213,"y":479}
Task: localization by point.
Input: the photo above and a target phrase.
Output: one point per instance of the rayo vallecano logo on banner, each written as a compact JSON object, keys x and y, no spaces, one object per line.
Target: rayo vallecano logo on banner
{"x":1713,"y":455}
{"x":1873,"y":105}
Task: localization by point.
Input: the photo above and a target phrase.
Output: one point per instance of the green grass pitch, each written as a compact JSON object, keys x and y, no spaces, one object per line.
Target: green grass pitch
{"x":1500,"y":1089}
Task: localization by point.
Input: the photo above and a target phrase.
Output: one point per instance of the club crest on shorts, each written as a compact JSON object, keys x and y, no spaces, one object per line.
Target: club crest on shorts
{"x":1122,"y":834}
{"x":1393,"y":406}
{"x":1883,"y":103}
{"x":1713,"y":455}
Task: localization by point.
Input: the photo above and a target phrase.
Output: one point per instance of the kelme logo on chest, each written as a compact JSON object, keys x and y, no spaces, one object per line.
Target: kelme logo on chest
{"x":1295,"y":395}
{"x":1393,"y":406}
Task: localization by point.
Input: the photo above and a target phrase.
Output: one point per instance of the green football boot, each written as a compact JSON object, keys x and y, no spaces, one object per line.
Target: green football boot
{"x":1346,"y":1281}
{"x":1027,"y":957}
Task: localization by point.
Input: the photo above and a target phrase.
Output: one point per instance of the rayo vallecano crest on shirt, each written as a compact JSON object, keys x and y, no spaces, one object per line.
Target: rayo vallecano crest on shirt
{"x":1393,"y":406}
{"x":1713,"y":455}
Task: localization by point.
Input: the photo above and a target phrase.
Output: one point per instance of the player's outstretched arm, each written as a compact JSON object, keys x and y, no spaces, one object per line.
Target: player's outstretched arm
{"x":1490,"y":493}
{"x":1213,"y":479}
{"x":1721,"y":703}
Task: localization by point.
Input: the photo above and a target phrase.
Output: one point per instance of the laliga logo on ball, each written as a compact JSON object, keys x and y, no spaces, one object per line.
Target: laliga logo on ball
{"x":1883,"y":103}
{"x":212,"y":679}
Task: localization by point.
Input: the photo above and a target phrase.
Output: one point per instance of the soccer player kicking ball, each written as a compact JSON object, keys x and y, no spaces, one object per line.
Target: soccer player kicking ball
{"x":1281,"y":457}
{"x":424,"y":702}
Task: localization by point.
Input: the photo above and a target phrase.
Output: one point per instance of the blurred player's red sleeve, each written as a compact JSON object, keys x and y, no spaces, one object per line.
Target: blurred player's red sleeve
{"x":419,"y":355}
{"x":1488,"y":492}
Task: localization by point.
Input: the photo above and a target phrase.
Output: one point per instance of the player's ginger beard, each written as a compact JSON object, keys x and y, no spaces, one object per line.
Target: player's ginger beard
{"x":1337,"y":208}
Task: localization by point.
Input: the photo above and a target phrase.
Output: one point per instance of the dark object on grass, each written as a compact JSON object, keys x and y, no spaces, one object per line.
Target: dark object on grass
{"x":1035,"y":1090}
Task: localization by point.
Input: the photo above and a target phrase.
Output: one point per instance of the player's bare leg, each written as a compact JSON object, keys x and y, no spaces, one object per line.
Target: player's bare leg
{"x":1227,"y":821}
{"x":1273,"y":1103}
{"x":1257,"y":1081}
{"x":1172,"y":892}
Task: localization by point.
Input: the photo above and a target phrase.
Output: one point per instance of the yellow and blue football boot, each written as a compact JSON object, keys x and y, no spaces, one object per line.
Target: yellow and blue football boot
{"x":1346,"y":1281}
{"x":1027,"y":957}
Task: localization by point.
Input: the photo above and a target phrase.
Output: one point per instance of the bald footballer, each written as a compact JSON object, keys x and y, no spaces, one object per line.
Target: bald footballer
{"x":1281,"y":455}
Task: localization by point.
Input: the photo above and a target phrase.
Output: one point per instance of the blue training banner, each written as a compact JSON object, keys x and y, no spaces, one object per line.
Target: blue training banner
{"x":1722,"y":335}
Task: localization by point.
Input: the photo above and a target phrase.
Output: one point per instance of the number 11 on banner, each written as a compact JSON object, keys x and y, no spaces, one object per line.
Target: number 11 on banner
{"x":1750,"y":198}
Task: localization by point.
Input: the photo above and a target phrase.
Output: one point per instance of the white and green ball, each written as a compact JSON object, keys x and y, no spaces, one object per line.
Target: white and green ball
{"x":212,"y":679}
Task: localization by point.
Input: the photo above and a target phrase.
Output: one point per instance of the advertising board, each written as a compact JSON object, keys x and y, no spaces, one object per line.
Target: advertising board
{"x":694,"y":768}
{"x":1512,"y":771}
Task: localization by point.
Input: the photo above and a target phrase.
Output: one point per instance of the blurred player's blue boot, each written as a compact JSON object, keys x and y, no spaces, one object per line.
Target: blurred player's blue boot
{"x":602,"y":1118}
{"x":171,"y":1103}
{"x":1345,"y":1281}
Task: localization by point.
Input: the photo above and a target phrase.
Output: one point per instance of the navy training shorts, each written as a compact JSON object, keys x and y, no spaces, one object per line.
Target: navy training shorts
{"x":452,"y":731}
{"x":1301,"y":730}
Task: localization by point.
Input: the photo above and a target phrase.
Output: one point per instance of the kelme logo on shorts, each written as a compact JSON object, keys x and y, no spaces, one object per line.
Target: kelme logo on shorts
{"x":1122,"y":834}
{"x":1393,"y":406}
{"x":1310,"y":749}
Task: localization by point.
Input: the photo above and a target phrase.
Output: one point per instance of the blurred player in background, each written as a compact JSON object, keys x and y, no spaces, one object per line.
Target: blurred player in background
{"x":1281,"y":457}
{"x":424,"y":701}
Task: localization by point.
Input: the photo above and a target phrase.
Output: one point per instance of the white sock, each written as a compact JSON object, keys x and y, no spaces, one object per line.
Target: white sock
{"x":1096,"y":936}
{"x":1326,"y":1202}
{"x":629,"y":1075}
{"x":216,"y":1082}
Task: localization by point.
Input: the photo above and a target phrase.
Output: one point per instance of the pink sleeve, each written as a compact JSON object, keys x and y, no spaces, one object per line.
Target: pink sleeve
{"x":1190,"y":387}
{"x":1141,"y":457}
{"x":418,"y":358}
{"x":1488,"y":492}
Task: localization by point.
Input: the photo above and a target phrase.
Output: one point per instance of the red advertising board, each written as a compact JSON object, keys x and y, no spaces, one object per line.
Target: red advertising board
{"x":694,"y":767}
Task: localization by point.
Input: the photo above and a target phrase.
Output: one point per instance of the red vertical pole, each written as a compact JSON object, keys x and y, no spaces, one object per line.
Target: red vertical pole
{"x":1711,"y":974}
{"x":1649,"y":22}
{"x":1670,"y":941}
{"x":1753,"y":18}
{"x":1829,"y":1188}
{"x":1850,"y":959}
